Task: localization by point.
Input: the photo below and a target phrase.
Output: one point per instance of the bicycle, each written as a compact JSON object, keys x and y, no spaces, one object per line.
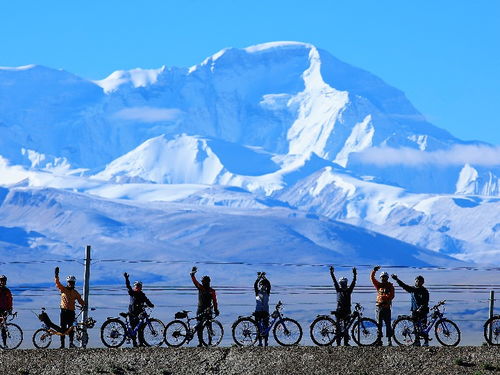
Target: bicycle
{"x":325,"y":330}
{"x":114,"y":331}
{"x":492,"y":330}
{"x":11,"y":335}
{"x":42,"y":338}
{"x":407,"y":331}
{"x":180,"y":331}
{"x":287,"y":332}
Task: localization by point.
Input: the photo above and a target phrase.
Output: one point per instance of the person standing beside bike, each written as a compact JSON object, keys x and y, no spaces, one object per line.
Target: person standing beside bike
{"x":207,"y":299}
{"x":136,"y":305}
{"x":262,"y":288}
{"x":5,"y":304}
{"x":343,"y":303}
{"x":419,"y":303}
{"x":385,"y":295}
{"x":68,"y":297}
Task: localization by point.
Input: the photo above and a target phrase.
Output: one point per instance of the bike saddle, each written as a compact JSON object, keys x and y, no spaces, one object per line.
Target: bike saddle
{"x":124,"y":315}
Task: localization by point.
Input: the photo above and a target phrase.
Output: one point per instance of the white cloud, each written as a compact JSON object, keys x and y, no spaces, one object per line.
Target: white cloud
{"x":148,"y":114}
{"x":479,"y":155}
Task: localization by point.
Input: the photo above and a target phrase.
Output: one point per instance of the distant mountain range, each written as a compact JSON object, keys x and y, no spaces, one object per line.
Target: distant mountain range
{"x":272,"y":131}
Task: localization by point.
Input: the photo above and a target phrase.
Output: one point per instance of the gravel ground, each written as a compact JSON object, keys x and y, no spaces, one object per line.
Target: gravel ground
{"x":275,"y":360}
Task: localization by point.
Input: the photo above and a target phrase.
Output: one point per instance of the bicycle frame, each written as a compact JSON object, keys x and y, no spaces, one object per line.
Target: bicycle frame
{"x":143,"y":320}
{"x":192,"y":330}
{"x":74,"y":326}
{"x":277,"y":317}
{"x":356,"y":315}
{"x":4,"y":319}
{"x":432,"y":318}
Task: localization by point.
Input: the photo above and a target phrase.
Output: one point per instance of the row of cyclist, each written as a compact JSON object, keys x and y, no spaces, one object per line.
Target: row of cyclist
{"x":139,"y":328}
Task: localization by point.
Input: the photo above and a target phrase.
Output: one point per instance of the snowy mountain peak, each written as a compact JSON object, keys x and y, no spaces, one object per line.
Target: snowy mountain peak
{"x":135,"y":77}
{"x":178,"y":160}
{"x":278,"y":45}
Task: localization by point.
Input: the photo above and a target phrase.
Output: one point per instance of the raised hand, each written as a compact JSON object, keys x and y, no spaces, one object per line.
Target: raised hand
{"x":354,"y":270}
{"x":56,"y":272}
{"x":376,"y":268}
{"x":125,"y":275}
{"x":394,"y":276}
{"x":194,"y":269}
{"x":332,"y":270}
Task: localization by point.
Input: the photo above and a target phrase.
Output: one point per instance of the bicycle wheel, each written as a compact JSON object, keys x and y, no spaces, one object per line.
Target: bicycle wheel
{"x":82,"y":337}
{"x":245,"y":332}
{"x":11,"y":336}
{"x":113,"y":333}
{"x":151,"y":333}
{"x":212,"y":333}
{"x":323,"y":331}
{"x":365,"y":332}
{"x":492,"y":325}
{"x":42,"y":338}
{"x":404,"y":331}
{"x":287,"y":332}
{"x":447,"y":332}
{"x":175,"y":333}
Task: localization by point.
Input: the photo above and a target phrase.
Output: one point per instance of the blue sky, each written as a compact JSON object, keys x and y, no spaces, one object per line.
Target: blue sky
{"x":445,"y":55}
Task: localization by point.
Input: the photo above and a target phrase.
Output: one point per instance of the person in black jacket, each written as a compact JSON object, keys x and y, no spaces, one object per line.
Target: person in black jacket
{"x":262,"y":288}
{"x":138,"y":301}
{"x":207,"y":302}
{"x":419,"y":303}
{"x":343,"y":302}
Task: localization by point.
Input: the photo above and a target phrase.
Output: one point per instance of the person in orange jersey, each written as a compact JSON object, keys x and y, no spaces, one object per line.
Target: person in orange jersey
{"x":68,"y":297}
{"x":385,"y":295}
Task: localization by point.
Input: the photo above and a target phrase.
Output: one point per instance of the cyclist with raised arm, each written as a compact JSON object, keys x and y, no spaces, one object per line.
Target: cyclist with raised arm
{"x":385,"y":295}
{"x":5,"y":304}
{"x":138,"y":301}
{"x":262,"y":288}
{"x":207,"y":299}
{"x":419,"y":303}
{"x":69,"y":296}
{"x":343,"y":302}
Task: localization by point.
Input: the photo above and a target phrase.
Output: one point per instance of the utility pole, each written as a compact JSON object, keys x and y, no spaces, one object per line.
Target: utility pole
{"x":492,"y":305}
{"x":86,"y":289}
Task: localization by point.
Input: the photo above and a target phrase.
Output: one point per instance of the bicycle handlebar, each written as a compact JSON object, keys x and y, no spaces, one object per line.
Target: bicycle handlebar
{"x":440,"y":303}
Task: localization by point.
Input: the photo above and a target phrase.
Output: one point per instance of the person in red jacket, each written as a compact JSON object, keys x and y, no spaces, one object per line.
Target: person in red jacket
{"x":5,"y":304}
{"x":207,"y":299}
{"x":385,"y":295}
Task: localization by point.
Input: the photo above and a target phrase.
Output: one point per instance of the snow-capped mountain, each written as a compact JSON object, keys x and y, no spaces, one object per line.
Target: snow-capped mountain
{"x":279,"y":124}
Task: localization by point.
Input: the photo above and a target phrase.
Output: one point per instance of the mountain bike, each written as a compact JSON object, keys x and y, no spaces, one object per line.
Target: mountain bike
{"x":115,"y":331}
{"x":180,"y":330}
{"x":11,"y":335}
{"x":408,"y":331}
{"x":492,"y":330}
{"x":42,"y":338}
{"x":286,"y":331}
{"x":325,"y":329}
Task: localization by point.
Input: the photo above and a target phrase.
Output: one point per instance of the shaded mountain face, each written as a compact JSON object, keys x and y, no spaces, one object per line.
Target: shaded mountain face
{"x":282,"y":125}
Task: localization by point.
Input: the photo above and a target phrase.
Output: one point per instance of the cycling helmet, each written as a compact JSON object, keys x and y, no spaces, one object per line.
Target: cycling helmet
{"x":420,"y":277}
{"x":384,"y":274}
{"x":71,"y":279}
{"x":205,"y":279}
{"x":343,"y":281}
{"x":3,"y":277}
{"x":137,"y":284}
